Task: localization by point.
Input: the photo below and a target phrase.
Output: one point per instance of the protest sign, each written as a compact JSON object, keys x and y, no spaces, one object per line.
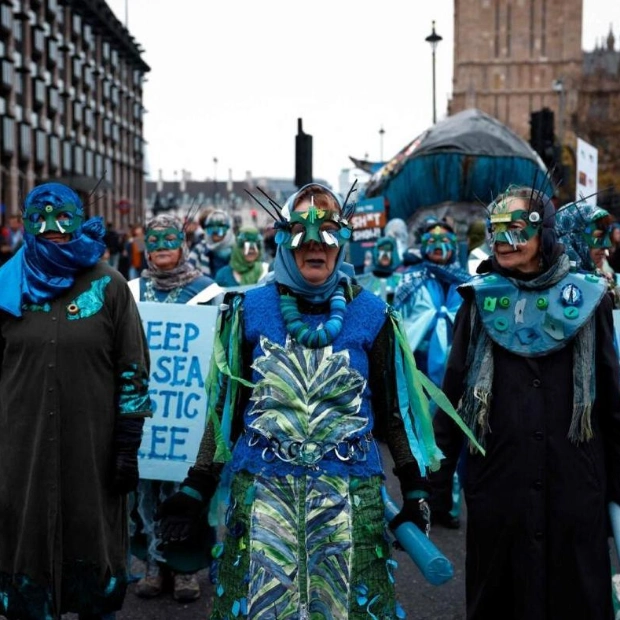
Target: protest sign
{"x":180,"y":341}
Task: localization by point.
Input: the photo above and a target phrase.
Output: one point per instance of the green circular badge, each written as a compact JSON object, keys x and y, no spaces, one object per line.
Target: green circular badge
{"x":504,"y":302}
{"x":542,"y":303}
{"x":501,"y":324}
{"x":571,"y":312}
{"x":49,"y":208}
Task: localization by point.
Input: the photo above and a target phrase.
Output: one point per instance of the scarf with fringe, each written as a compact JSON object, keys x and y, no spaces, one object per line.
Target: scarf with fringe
{"x":475,"y":405}
{"x":180,"y":275}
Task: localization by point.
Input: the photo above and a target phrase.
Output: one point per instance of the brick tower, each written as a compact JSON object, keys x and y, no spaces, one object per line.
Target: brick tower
{"x":512,"y":57}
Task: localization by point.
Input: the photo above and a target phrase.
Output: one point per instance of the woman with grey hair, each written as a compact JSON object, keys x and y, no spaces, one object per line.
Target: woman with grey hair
{"x":535,"y":374}
{"x":169,"y":278}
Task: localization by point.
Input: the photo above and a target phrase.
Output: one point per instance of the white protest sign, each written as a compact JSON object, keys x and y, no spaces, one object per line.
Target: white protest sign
{"x":180,"y":341}
{"x":587,"y":172}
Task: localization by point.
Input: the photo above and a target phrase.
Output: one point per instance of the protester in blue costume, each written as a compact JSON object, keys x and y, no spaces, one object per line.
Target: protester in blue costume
{"x":428,"y":300}
{"x":246,"y":266}
{"x":383,"y":279}
{"x":74,"y":373}
{"x":308,"y":369}
{"x":169,"y":278}
{"x":536,"y":376}
{"x":585,"y":230}
{"x":213,"y":252}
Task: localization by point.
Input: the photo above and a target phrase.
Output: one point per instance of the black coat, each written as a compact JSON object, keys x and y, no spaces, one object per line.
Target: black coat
{"x":63,"y":530}
{"x":537,"y":544}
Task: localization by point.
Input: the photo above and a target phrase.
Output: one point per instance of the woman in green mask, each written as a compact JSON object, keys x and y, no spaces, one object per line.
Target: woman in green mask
{"x":246,"y":266}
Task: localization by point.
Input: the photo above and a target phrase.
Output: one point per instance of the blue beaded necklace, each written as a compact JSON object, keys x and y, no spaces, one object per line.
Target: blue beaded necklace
{"x":302,"y":332}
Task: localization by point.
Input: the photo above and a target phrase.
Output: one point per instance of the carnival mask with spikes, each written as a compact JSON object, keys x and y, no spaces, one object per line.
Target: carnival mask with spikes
{"x":503,"y":228}
{"x":52,"y":207}
{"x":319,"y":225}
{"x":331,"y":228}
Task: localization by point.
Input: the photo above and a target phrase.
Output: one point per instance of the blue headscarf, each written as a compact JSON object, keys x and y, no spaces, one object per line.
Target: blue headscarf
{"x":41,"y":270}
{"x":286,"y":271}
{"x":570,"y":221}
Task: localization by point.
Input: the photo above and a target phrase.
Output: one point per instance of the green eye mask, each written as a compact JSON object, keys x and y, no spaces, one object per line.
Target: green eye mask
{"x":602,"y":242}
{"x":306,"y":226}
{"x":156,"y":239}
{"x":501,"y":232}
{"x":65,"y":219}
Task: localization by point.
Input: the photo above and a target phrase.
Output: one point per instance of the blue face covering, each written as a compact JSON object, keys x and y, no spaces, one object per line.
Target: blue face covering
{"x":42,"y":269}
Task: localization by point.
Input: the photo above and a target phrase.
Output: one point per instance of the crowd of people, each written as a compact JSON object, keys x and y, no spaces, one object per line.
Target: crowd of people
{"x":488,"y":366}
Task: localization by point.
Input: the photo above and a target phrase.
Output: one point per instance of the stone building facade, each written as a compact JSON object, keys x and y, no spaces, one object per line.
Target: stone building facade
{"x":514,"y":57}
{"x":71,"y":80}
{"x":597,"y":119}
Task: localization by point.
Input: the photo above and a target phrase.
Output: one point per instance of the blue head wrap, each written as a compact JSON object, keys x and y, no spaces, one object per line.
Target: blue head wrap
{"x":286,"y":271}
{"x":41,"y":270}
{"x":571,"y":222}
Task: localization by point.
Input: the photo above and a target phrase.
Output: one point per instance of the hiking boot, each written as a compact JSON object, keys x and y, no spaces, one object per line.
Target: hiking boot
{"x":186,"y":588}
{"x":152,"y":583}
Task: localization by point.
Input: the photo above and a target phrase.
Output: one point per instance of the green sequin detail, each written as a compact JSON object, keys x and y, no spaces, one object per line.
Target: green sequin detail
{"x":89,"y":302}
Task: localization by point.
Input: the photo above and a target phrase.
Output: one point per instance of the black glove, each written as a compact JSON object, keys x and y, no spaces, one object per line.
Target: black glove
{"x":415,"y":489}
{"x":126,"y":474}
{"x":126,"y":442}
{"x":417,"y":511}
{"x":178,"y":516}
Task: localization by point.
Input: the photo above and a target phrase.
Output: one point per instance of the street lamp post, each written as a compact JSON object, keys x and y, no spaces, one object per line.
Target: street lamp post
{"x":433,"y":38}
{"x":381,"y":132}
{"x":214,"y":180}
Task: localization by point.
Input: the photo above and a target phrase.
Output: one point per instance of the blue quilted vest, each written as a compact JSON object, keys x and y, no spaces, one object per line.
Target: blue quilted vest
{"x":316,"y":453}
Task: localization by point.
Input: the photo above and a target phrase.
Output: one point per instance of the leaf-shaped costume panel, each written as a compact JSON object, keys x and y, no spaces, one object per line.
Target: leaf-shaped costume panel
{"x":306,"y":404}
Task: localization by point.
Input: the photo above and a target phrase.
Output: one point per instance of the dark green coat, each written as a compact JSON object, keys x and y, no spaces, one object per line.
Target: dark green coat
{"x":65,"y":377}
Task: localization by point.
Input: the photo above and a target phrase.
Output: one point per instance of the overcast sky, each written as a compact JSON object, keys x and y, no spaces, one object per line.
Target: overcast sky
{"x":229,"y":78}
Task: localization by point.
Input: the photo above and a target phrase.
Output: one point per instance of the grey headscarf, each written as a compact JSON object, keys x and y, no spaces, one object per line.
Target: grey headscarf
{"x":183,"y":273}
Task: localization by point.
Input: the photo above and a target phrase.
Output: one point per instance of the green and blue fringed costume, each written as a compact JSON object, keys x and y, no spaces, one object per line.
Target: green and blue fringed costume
{"x":305,"y":529}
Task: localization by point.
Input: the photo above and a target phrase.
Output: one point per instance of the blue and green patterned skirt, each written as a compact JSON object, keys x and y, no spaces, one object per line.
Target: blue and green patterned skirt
{"x":305,"y":548}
